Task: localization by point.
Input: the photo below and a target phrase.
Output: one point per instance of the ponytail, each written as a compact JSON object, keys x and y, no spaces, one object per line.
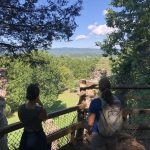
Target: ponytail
{"x":107,"y":96}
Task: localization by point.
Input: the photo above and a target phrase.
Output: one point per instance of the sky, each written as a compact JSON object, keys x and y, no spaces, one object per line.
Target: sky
{"x":91,"y":26}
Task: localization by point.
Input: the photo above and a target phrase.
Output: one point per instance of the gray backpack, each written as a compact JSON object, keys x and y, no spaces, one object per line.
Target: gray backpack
{"x":110,"y":120}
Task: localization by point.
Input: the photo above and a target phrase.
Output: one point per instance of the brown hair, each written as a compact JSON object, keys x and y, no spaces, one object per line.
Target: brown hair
{"x":107,"y":96}
{"x":104,"y":83}
{"x":33,"y":92}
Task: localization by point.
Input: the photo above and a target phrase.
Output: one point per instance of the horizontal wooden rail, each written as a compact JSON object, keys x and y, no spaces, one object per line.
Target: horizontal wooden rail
{"x":62,"y":132}
{"x":138,"y":127}
{"x":63,"y":111}
{"x":138,"y":111}
{"x":137,"y":97}
{"x":134,"y":87}
{"x":10,"y":128}
{"x":19,"y":125}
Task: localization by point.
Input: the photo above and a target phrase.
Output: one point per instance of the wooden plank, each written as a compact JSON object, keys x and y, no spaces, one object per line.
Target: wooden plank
{"x":138,"y":127}
{"x":10,"y":128}
{"x":134,"y":87}
{"x":63,"y":111}
{"x":137,"y":111}
{"x":19,"y":125}
{"x":137,"y":97}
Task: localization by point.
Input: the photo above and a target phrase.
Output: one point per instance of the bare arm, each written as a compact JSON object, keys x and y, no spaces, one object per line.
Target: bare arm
{"x":91,"y":119}
{"x":43,"y":114}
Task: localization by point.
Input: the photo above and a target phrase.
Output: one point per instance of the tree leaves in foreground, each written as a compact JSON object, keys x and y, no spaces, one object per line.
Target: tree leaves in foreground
{"x":129,"y":45}
{"x":33,"y":24}
{"x":53,"y":74}
{"x":21,"y":74}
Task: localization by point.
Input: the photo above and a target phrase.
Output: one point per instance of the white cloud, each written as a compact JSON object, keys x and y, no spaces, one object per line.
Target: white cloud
{"x":81,"y":37}
{"x":105,"y":12}
{"x":101,"y":29}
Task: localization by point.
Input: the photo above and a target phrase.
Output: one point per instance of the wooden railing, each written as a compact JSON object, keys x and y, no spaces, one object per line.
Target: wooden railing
{"x":55,"y":135}
{"x":19,"y":125}
{"x":86,"y":85}
{"x":79,"y":125}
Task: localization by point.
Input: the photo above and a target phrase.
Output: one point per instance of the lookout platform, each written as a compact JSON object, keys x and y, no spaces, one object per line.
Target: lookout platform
{"x":65,"y":129}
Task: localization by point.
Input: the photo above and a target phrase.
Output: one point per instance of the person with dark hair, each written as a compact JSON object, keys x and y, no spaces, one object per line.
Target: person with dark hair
{"x":105,"y":118}
{"x":31,"y":114}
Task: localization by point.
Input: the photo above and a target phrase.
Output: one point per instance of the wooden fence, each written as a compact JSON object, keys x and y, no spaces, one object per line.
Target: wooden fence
{"x":75,"y":129}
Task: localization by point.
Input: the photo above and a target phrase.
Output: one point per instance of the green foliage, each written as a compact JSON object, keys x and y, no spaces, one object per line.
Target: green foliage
{"x":129,"y":45}
{"x":53,"y":74}
{"x":74,"y":69}
{"x":104,"y":63}
{"x":19,"y":77}
{"x":42,"y":70}
{"x":67,"y":75}
{"x":69,"y":98}
{"x":30,"y":25}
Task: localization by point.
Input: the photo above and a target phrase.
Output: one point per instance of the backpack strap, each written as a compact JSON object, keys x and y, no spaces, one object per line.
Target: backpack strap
{"x":101,"y":111}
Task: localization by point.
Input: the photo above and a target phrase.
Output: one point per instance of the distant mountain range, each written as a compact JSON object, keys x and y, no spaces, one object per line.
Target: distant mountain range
{"x":76,"y":52}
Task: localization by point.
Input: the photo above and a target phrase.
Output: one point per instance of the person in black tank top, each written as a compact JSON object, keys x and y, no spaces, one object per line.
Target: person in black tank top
{"x":31,"y":114}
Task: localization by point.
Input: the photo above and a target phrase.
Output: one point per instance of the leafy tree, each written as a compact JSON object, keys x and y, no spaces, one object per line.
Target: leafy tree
{"x":80,"y":67}
{"x":53,"y":74}
{"x":129,"y":45}
{"x":43,"y":70}
{"x":32,"y":24}
{"x":19,"y":76}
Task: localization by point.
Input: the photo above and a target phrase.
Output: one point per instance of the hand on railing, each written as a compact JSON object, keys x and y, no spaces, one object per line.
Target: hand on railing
{"x":83,"y":106}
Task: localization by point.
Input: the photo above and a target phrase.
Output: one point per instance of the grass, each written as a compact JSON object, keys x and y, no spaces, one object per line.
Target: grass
{"x":68,"y":98}
{"x":13,"y":118}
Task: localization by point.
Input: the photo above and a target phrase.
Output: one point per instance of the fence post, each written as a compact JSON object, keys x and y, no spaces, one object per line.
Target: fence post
{"x":73,"y":137}
{"x":80,"y":115}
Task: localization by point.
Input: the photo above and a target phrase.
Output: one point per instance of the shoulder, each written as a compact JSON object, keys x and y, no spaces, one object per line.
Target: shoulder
{"x":39,"y":108}
{"x":96,"y":100}
{"x":95,"y":105}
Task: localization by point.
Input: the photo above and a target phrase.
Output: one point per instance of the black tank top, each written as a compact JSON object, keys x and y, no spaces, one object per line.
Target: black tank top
{"x":30,"y":118}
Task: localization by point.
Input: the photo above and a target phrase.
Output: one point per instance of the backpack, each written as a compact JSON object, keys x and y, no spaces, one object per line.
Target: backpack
{"x":110,"y":120}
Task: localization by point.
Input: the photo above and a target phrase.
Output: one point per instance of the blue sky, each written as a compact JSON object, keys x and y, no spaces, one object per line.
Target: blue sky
{"x":91,"y":25}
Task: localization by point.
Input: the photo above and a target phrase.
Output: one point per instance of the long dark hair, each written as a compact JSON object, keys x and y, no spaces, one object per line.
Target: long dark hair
{"x":108,"y":96}
{"x":104,"y":83}
{"x":33,"y":92}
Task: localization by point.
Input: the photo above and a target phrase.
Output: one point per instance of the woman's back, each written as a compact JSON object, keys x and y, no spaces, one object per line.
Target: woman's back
{"x":30,"y":117}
